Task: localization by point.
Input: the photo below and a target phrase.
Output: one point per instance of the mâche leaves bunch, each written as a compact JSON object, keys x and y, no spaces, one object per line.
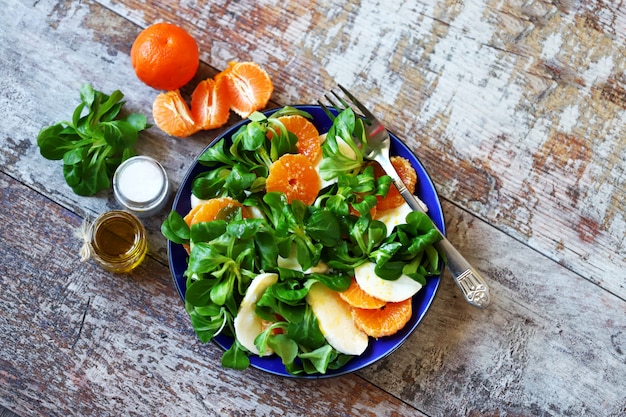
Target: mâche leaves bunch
{"x":94,"y":143}
{"x":304,"y":247}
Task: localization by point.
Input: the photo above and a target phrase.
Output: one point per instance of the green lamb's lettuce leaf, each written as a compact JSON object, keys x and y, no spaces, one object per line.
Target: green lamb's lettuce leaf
{"x":235,"y":357}
{"x":94,"y":144}
{"x":175,"y":229}
{"x":346,"y":128}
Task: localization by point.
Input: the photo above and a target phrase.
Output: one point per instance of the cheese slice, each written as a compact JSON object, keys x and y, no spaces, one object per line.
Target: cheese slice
{"x":386,"y":290}
{"x":247,"y":324}
{"x":335,"y":320}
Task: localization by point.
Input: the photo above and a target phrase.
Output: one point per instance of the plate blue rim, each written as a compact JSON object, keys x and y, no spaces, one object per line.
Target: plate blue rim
{"x":377,"y":349}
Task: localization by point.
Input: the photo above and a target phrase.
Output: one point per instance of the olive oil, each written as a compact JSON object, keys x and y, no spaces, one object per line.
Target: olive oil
{"x":118,"y":241}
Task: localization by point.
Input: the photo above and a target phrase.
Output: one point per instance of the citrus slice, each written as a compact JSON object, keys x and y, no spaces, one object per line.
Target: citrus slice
{"x":408,"y":176}
{"x":295,"y":176}
{"x":358,"y":298}
{"x":384,"y":321}
{"x":209,"y":106}
{"x":222,"y":208}
{"x":172,"y":115}
{"x":249,"y":87}
{"x":309,"y":142}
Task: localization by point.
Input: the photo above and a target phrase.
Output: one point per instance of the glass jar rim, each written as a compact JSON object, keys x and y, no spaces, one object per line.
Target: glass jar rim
{"x":126,"y":173}
{"x":122,"y":262}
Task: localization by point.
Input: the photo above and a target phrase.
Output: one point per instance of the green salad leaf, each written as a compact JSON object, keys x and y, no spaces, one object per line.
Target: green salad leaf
{"x":346,"y":128}
{"x":94,"y":143}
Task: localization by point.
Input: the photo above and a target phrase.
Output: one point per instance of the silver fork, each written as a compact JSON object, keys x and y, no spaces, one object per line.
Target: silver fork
{"x":473,"y":286}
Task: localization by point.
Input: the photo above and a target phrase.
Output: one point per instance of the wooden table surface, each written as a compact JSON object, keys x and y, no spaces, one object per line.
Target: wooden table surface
{"x":517,"y":110}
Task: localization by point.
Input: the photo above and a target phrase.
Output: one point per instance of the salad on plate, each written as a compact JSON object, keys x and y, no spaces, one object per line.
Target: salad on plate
{"x":298,"y":249}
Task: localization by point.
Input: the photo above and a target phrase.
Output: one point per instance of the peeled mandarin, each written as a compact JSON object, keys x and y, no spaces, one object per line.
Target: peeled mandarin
{"x":385,"y":321}
{"x":249,"y":87}
{"x":407,"y":174}
{"x":295,"y":176}
{"x":172,"y":115}
{"x":356,"y":297}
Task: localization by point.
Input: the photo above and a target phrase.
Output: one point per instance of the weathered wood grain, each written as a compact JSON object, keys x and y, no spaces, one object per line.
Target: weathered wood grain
{"x":122,"y":344}
{"x":517,"y":108}
{"x":6,"y":413}
{"x":510,"y":125}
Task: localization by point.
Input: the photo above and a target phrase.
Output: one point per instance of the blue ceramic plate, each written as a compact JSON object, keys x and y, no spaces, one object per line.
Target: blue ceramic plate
{"x":377,"y":348}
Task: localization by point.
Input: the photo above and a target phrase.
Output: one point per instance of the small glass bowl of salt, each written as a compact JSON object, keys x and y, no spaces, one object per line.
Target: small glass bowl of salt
{"x":140,"y":185}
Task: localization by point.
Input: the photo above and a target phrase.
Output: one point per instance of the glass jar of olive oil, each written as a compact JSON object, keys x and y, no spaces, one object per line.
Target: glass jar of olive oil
{"x":118,"y":241}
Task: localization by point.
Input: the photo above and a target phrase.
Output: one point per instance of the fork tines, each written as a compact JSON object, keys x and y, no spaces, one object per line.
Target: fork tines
{"x":343,"y":104}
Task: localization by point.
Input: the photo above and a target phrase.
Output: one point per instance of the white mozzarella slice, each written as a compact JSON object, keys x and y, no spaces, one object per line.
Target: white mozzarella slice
{"x":396,"y":216}
{"x":289,"y":263}
{"x":247,"y":324}
{"x":255,"y":212}
{"x":421,"y":203}
{"x":195,"y":201}
{"x":390,"y":291}
{"x":292,"y":263}
{"x":335,"y":320}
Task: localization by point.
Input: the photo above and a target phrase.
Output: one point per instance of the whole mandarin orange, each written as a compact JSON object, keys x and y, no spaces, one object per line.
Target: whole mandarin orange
{"x":165,"y":56}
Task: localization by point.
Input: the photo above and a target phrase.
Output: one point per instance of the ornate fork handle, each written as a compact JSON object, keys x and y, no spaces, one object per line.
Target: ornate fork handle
{"x":474,"y":288}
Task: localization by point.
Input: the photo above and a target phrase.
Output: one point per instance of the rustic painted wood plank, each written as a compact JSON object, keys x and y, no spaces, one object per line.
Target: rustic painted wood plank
{"x":487,"y":88}
{"x":7,"y":413}
{"x":123,"y":344}
{"x":80,"y":342}
{"x":497,"y":107}
{"x":551,"y":344}
{"x":516,"y":108}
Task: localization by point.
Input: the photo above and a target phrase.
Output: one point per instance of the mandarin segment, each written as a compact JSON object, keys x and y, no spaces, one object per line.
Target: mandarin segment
{"x":222,"y":208}
{"x":165,"y":56}
{"x":209,"y":105}
{"x":249,"y":87}
{"x":172,"y":115}
{"x":408,"y":176}
{"x":385,"y":321}
{"x":295,"y":176}
{"x":356,"y":297}
{"x":405,"y":171}
{"x":309,"y":142}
